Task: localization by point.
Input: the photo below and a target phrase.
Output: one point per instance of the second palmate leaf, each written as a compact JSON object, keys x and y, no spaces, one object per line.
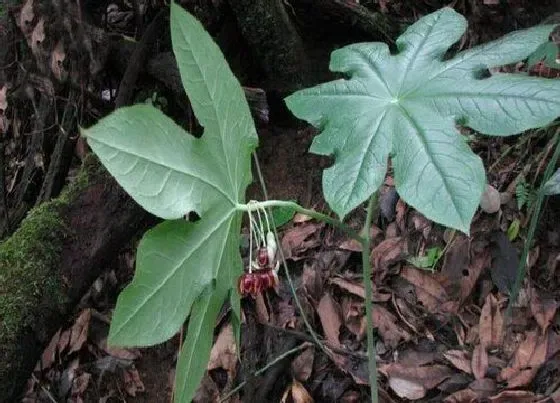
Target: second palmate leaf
{"x":407,"y":106}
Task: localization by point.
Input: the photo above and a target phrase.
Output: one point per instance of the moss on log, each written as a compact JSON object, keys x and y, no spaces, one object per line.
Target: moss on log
{"x":49,"y":262}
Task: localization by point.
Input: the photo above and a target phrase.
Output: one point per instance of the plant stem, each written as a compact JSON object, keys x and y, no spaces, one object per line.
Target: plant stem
{"x":366,"y":269}
{"x":253,"y":206}
{"x":533,"y":225}
{"x":232,"y":392}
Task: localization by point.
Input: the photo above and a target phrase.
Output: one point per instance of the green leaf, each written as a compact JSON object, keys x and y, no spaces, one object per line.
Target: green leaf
{"x":513,"y":230}
{"x":171,"y":173}
{"x":427,"y":261}
{"x":546,"y":52}
{"x":406,"y":106}
{"x":552,"y":186}
{"x":281,"y":215}
{"x":193,"y":359}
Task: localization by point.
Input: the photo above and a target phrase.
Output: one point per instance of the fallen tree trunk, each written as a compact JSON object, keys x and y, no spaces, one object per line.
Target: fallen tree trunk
{"x":51,"y":260}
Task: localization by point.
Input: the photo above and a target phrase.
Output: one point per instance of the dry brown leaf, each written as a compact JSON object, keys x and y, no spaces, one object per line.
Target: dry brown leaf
{"x":388,"y":327}
{"x":485,"y":387}
{"x":132,"y":382}
{"x":312,"y":281}
{"x":353,"y":315}
{"x":543,"y":309}
{"x":460,"y":360}
{"x":356,"y":367}
{"x":49,"y":353}
{"x":513,"y":396}
{"x":462,"y":396}
{"x":80,"y":384}
{"x":529,"y":356}
{"x":491,"y":331}
{"x":224,"y":352}
{"x":330,"y":316}
{"x":412,"y":382}
{"x":26,"y":17}
{"x":407,"y":389}
{"x":479,"y":362}
{"x":122,"y":353}
{"x":412,"y":357}
{"x":37,"y":37}
{"x":207,"y":391}
{"x":429,"y":292}
{"x":58,"y":56}
{"x":469,"y":278}
{"x":388,"y":252}
{"x":296,"y":240}
{"x":300,"y":218}
{"x":350,"y":286}
{"x":296,"y":393}
{"x":302,"y":365}
{"x":79,"y":331}
{"x":351,"y":245}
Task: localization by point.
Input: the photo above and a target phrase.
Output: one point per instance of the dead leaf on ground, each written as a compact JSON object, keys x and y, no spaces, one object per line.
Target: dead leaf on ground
{"x":132,"y":382}
{"x":479,"y":362}
{"x":224,"y":352}
{"x":387,"y":326}
{"x":543,"y":309}
{"x":460,"y":360}
{"x":479,"y":389}
{"x":296,"y":393}
{"x":389,"y":251}
{"x":49,"y":353}
{"x":58,"y":56}
{"x":529,"y":356}
{"x":491,"y":331}
{"x":353,"y":315}
{"x":298,"y":239}
{"x":207,"y":391}
{"x":80,"y":384}
{"x":414,"y":382}
{"x":351,"y":245}
{"x":26,"y":17}
{"x":505,"y":262}
{"x":312,"y":281}
{"x":356,"y":367}
{"x":429,"y":292}
{"x":79,"y":331}
{"x":129,"y":354}
{"x":510,"y":396}
{"x":302,"y":365}
{"x":330,"y":316}
{"x":352,"y":287}
{"x":37,"y":37}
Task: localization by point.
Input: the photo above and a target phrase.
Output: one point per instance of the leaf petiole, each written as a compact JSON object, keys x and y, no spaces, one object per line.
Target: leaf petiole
{"x":259,"y":206}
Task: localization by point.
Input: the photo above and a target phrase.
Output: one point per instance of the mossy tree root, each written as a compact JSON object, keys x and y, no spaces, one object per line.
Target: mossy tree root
{"x":51,"y":260}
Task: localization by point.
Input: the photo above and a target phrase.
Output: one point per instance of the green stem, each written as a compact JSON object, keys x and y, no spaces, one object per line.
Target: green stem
{"x":366,"y":269}
{"x":253,"y":206}
{"x":533,"y":225}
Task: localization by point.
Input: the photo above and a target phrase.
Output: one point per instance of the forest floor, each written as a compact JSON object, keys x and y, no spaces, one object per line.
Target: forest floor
{"x":443,"y":332}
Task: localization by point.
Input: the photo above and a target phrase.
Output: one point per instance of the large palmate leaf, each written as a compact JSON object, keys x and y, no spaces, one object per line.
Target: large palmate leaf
{"x":171,"y":173}
{"x":407,"y":105}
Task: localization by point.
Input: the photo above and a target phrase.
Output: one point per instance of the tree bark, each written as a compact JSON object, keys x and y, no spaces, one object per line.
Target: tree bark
{"x":50,"y":262}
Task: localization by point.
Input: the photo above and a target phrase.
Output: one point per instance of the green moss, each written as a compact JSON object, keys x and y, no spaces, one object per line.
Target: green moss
{"x":28,"y":269}
{"x":29,"y":259}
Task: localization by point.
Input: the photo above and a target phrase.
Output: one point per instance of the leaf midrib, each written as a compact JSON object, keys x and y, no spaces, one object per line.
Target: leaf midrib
{"x":165,"y":279}
{"x":212,"y":106}
{"x":423,"y":140}
{"x":167,"y":166}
